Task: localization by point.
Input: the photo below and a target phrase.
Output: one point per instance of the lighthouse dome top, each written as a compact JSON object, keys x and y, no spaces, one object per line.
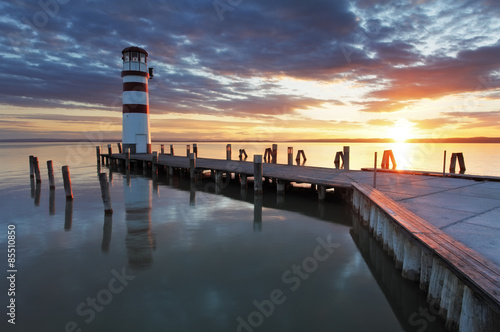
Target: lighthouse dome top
{"x":134,"y":49}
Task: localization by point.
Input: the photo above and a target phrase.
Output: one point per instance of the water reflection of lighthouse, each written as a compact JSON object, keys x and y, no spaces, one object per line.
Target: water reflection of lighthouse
{"x":140,"y":242}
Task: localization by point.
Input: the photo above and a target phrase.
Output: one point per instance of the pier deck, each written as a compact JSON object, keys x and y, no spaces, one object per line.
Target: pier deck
{"x":450,"y":214}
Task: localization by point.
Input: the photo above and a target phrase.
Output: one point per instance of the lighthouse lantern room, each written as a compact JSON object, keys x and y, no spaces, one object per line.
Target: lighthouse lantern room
{"x":135,"y":127}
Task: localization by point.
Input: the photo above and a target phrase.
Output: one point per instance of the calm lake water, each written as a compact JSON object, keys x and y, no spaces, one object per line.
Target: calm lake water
{"x":176,"y":257}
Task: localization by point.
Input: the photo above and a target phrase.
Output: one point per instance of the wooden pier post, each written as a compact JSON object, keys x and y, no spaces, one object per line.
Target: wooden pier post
{"x":188,"y":150}
{"x":275,"y":154}
{"x":119,"y":147}
{"x":290,"y":156}
{"x":375,"y":172}
{"x":192,"y":166}
{"x":195,"y":149}
{"x":67,"y":182}
{"x":154,"y":164}
{"x":346,"y":155}
{"x":162,"y":149}
{"x":321,"y":192}
{"x":257,"y":173}
{"x":110,"y":150}
{"x":50,"y":170}
{"x":36,"y":167}
{"x":339,"y":156}
{"x":98,"y":154}
{"x":171,"y":149}
{"x":243,"y":181}
{"x":444,"y":163}
{"x":127,"y":159}
{"x":32,"y":169}
{"x":280,"y":187}
{"x":228,"y":152}
{"x":106,"y":198}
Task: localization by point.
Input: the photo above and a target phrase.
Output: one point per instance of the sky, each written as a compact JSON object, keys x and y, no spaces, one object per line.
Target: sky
{"x":253,"y":69}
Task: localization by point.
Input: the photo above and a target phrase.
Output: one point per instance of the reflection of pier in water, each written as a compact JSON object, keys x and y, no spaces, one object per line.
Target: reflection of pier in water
{"x":138,"y":205}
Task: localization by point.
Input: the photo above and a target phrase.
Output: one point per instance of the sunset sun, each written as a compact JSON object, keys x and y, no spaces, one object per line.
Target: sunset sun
{"x":401,"y":131}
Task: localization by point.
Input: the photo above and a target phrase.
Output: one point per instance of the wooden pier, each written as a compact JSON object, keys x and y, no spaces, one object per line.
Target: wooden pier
{"x":418,"y":217}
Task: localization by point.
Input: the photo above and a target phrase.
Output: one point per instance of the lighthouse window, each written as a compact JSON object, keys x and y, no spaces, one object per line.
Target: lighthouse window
{"x":135,"y":56}
{"x":126,"y":56}
{"x":143,"y":57}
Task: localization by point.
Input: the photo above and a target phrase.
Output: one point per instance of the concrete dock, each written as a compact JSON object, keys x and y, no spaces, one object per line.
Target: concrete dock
{"x":443,"y":232}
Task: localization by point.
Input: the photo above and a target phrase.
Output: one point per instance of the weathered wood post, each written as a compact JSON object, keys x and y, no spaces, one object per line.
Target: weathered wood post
{"x":275,"y":154}
{"x":444,"y":163}
{"x":67,"y":182}
{"x":106,"y":198}
{"x":243,"y":181}
{"x":98,"y":154}
{"x":192,"y":166}
{"x":195,"y":149}
{"x":162,"y":149}
{"x":119,"y":147}
{"x":338,"y":157}
{"x":110,"y":150}
{"x":50,"y":170}
{"x":154,"y":164}
{"x":453,"y":162}
{"x":228,"y":152}
{"x":257,"y":173}
{"x":346,"y":158}
{"x":280,"y":187}
{"x":38,"y":190}
{"x":375,"y":172}
{"x":188,"y":150}
{"x":171,"y":149}
{"x":321,"y":192}
{"x":127,"y":159}
{"x":32,"y":169}
{"x":290,"y":156}
{"x":36,"y":167}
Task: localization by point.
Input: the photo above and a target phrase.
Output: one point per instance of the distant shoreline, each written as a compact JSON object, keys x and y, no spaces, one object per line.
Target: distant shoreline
{"x":335,"y":140}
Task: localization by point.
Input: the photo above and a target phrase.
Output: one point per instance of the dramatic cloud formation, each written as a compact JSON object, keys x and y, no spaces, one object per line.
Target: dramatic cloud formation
{"x":240,"y":69}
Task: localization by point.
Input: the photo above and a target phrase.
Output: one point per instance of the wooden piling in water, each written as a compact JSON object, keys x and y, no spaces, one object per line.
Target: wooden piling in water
{"x":275,"y":154}
{"x":67,"y":182}
{"x":98,"y":154}
{"x":106,"y":198}
{"x":192,"y":166}
{"x":228,"y":152}
{"x":154,"y":164}
{"x":119,"y":147}
{"x":171,"y":149}
{"x":195,"y":149}
{"x":290,"y":155}
{"x":444,"y":163}
{"x":162,"y":149}
{"x":50,"y":170}
{"x":127,"y":159}
{"x":36,"y":167}
{"x":257,"y":173}
{"x":188,"y":150}
{"x":321,"y":192}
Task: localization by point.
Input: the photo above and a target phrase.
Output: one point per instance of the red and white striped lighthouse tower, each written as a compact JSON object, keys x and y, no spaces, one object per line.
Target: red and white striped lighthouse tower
{"x":135,"y":128}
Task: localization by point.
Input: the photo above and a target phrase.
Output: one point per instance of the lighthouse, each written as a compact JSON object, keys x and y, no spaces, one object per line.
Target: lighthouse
{"x":135,"y":126}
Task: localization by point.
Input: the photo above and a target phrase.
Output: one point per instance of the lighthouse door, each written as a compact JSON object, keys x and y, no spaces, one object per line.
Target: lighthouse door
{"x":141,"y":143}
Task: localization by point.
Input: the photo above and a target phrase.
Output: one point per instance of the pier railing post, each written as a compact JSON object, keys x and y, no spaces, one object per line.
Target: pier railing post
{"x":106,"y":198}
{"x":257,"y":173}
{"x":67,"y":182}
{"x":290,"y":156}
{"x":195,"y":149}
{"x":444,"y":163}
{"x":50,"y":170}
{"x":228,"y":152}
{"x":192,"y":166}
{"x":346,"y":159}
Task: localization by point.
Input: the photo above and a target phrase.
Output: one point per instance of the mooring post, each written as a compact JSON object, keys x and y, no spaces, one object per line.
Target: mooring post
{"x":171,"y":149}
{"x":275,"y":154}
{"x":195,"y":149}
{"x":375,"y":172}
{"x":32,"y":169}
{"x":50,"y":170}
{"x":67,"y":182}
{"x":119,"y":147}
{"x":228,"y":152}
{"x":290,"y":156}
{"x":106,"y":198}
{"x":192,"y":166}
{"x":346,"y":157}
{"x":36,"y":167}
{"x":98,"y":154}
{"x":127,"y":159}
{"x":444,"y":163}
{"x":162,"y":149}
{"x":257,"y":173}
{"x":188,"y":150}
{"x":453,"y":162}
